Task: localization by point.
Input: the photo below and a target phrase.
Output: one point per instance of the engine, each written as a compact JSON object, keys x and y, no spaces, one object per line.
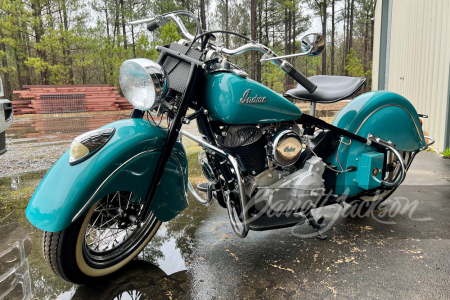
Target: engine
{"x":259,"y":147}
{"x":280,"y":191}
{"x":269,"y":155}
{"x":247,"y":144}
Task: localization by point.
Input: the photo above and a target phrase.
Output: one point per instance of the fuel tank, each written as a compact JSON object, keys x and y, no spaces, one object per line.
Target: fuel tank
{"x":236,"y":100}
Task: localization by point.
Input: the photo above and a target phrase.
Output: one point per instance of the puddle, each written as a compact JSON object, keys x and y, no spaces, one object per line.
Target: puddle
{"x":30,"y":278}
{"x":15,"y":248}
{"x":59,"y":127}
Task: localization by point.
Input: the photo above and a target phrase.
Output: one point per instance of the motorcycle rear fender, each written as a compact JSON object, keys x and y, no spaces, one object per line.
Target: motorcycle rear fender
{"x":386,"y":115}
{"x":129,"y":159}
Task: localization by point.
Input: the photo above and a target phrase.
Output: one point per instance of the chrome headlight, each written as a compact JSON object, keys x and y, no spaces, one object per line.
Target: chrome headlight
{"x":85,"y":145}
{"x":142,"y":82}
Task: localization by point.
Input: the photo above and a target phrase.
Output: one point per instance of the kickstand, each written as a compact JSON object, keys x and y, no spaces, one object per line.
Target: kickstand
{"x":316,"y":224}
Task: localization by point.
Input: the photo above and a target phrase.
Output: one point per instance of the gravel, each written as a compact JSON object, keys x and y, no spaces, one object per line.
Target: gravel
{"x":29,"y":155}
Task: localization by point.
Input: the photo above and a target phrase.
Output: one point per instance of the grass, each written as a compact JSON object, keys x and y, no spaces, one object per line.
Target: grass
{"x":446,"y":153}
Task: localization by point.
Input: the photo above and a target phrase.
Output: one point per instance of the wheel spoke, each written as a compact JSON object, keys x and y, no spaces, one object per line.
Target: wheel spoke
{"x":93,"y":224}
{"x":110,"y":229}
{"x":106,"y":209}
{"x":112,"y":234}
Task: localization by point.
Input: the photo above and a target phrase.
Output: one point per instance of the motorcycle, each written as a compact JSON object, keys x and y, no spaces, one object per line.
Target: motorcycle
{"x":267,"y":163}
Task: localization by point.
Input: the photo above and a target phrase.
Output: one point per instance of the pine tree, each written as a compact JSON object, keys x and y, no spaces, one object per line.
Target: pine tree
{"x":354,"y":66}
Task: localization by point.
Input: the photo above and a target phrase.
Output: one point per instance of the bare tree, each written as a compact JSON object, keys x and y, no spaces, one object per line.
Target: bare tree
{"x":253,"y":35}
{"x":320,"y":6}
{"x":203,"y":14}
{"x":333,"y":29}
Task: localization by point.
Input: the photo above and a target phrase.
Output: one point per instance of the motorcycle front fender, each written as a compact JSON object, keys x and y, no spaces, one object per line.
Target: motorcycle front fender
{"x":126,"y":163}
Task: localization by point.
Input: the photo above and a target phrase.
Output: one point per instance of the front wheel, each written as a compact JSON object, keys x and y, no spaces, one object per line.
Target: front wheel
{"x":103,"y":241}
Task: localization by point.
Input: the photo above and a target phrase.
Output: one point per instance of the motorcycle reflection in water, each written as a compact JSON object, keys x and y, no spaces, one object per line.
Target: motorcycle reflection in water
{"x":15,"y":281}
{"x":139,"y":280}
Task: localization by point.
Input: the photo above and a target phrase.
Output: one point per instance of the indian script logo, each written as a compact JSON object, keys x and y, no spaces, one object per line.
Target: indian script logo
{"x":252,"y":100}
{"x":287,"y":149}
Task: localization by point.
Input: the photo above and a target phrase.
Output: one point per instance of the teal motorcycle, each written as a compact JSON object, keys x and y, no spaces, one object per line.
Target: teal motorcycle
{"x":267,"y":163}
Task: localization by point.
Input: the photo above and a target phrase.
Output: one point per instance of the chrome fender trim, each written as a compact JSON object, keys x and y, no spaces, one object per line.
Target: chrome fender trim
{"x":384,"y":106}
{"x":107,"y":179}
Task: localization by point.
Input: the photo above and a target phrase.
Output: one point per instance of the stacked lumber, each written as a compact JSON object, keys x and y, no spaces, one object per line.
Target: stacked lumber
{"x":123,"y":104}
{"x":22,"y":107}
{"x":71,"y":124}
{"x":40,"y":99}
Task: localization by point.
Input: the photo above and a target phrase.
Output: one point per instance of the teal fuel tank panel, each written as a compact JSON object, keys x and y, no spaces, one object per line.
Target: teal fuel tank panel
{"x":236,"y":100}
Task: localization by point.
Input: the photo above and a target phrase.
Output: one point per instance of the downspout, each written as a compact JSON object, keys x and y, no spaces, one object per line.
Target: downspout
{"x":447,"y":118}
{"x":383,"y":44}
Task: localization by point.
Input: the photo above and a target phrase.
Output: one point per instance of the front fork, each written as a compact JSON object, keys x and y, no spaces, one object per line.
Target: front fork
{"x":169,"y":143}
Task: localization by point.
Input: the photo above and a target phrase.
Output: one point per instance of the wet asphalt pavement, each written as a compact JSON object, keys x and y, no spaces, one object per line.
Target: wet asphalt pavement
{"x":400,"y":252}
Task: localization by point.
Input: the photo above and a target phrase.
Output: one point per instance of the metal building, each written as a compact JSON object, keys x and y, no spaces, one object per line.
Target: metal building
{"x":411,"y":57}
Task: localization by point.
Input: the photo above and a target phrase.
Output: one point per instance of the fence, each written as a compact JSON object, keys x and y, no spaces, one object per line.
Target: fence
{"x":69,"y":103}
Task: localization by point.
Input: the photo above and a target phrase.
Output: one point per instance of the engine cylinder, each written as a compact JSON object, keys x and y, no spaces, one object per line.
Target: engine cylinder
{"x":252,"y":156}
{"x":246,"y":143}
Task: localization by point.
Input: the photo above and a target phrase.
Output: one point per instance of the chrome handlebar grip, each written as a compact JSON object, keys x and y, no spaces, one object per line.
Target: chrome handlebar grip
{"x":137,"y":22}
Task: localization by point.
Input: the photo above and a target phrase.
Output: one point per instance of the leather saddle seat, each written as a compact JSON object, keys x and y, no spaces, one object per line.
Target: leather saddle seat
{"x":329,"y":89}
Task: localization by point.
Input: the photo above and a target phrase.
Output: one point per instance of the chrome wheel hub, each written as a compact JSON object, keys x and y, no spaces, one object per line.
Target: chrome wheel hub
{"x":114,"y":221}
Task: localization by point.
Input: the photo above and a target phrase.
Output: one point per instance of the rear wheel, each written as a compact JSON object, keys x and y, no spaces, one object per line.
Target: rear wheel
{"x":103,"y":241}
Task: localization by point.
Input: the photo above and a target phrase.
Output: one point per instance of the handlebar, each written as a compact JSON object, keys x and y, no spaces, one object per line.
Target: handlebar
{"x":158,"y":21}
{"x":243,"y":49}
{"x":284,"y":65}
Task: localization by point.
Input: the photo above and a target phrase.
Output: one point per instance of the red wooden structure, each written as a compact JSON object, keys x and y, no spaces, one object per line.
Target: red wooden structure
{"x":45,"y":99}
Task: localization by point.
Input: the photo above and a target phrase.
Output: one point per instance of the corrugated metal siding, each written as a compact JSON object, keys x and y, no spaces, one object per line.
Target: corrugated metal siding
{"x":420,"y":58}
